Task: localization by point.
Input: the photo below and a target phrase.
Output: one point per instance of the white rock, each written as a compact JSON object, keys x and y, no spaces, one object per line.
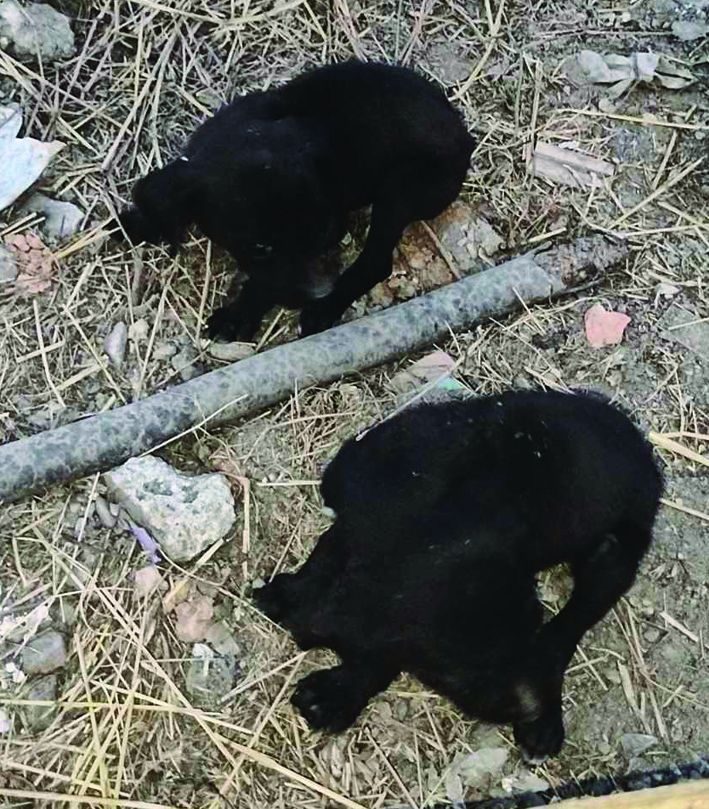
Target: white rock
{"x":185,"y":514}
{"x":8,"y":265}
{"x":138,"y":331}
{"x":115,"y":344}
{"x":61,"y":219}
{"x":36,"y":31}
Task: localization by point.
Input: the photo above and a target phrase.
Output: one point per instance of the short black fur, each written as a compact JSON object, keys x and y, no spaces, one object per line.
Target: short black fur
{"x":272,"y":176}
{"x":444,"y":516}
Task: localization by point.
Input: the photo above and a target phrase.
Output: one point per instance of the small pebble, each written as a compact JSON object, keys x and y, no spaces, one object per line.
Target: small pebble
{"x":138,"y":331}
{"x":652,"y":634}
{"x":103,"y":511}
{"x":164,"y":351}
{"x":115,"y":344}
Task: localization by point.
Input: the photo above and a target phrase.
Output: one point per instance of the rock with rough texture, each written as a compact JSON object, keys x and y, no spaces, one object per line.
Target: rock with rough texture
{"x":210,"y":675}
{"x":36,"y":31}
{"x":61,"y":219}
{"x":8,"y":266}
{"x":41,"y":689}
{"x":184,"y":513}
{"x":635,"y":744}
{"x":45,"y":653}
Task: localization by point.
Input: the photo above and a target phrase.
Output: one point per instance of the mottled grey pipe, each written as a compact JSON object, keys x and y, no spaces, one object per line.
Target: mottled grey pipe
{"x":101,"y":442}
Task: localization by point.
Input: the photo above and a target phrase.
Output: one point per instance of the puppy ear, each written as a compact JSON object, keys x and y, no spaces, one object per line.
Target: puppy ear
{"x":164,"y":205}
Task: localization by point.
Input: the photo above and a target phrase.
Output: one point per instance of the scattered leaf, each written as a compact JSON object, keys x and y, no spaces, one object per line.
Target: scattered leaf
{"x":194,"y":618}
{"x":589,"y":67}
{"x":569,"y":167}
{"x":35,"y":264}
{"x":147,"y":580}
{"x":604,"y":328}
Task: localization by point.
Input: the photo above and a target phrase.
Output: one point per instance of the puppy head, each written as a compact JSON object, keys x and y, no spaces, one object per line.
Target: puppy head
{"x":163,"y":206}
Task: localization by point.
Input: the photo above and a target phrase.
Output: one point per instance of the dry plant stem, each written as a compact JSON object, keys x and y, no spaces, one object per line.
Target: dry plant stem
{"x":108,"y":439}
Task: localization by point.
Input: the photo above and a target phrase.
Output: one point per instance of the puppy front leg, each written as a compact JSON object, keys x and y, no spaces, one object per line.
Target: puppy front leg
{"x":239,"y":319}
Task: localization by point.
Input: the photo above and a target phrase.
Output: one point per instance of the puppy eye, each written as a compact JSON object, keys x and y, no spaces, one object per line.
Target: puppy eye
{"x":262,"y":249}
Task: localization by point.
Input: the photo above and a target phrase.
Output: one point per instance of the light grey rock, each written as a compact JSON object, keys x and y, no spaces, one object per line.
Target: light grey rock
{"x":8,"y":266}
{"x":40,"y":717}
{"x":115,"y":344}
{"x":185,"y":514}
{"x":36,"y":31}
{"x":45,"y":653}
{"x":61,"y":219}
{"x":635,"y":744}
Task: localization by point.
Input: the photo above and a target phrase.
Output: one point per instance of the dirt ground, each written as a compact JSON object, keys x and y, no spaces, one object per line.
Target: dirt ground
{"x":144,"y":75}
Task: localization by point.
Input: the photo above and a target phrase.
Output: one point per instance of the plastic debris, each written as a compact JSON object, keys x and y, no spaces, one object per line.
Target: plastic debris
{"x":147,"y":543}
{"x":22,"y":159}
{"x":604,"y":328}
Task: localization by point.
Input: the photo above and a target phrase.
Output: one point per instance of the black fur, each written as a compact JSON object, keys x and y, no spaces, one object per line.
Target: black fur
{"x":272,"y":176}
{"x":445,"y":513}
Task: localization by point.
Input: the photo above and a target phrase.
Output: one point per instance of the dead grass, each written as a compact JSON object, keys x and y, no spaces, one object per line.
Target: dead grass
{"x":124,"y":733}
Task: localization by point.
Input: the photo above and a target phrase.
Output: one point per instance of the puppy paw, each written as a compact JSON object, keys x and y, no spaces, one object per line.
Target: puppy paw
{"x":325,"y":702}
{"x":318,"y":316}
{"x":225,"y":326}
{"x":272,"y":599}
{"x":540,"y":738}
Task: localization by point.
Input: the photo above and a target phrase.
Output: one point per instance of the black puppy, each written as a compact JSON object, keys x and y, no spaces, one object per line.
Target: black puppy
{"x":444,"y":514}
{"x":272,"y":176}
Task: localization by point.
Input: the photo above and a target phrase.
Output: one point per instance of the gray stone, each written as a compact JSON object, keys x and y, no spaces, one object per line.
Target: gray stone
{"x":36,"y":31}
{"x":8,"y":265}
{"x":44,"y":653}
{"x":210,"y":676}
{"x":40,"y":717}
{"x":104,"y":513}
{"x":61,"y":219}
{"x":115,"y":344}
{"x":635,"y":744}
{"x":231,"y":352}
{"x":185,"y":514}
{"x":686,"y":328}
